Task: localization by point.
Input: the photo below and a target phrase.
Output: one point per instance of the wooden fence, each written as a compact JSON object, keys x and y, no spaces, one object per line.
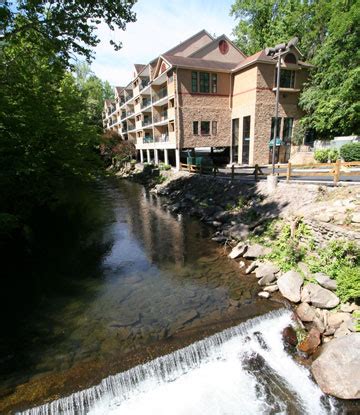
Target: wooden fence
{"x":289,"y":170}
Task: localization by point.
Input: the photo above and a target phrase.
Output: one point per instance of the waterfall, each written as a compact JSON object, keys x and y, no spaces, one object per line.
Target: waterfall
{"x":242,"y":370}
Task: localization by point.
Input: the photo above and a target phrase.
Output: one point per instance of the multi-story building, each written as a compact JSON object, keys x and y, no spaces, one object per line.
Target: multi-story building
{"x":205,"y":93}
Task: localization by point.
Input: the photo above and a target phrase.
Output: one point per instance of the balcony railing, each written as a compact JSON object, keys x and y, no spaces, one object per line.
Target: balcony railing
{"x":131,"y":127}
{"x":163,"y":138}
{"x":129,"y":96}
{"x":145,"y":103}
{"x":128,"y":113}
{"x":123,"y":115}
{"x":146,"y":122}
{"x":148,"y":139}
{"x":160,"y":95}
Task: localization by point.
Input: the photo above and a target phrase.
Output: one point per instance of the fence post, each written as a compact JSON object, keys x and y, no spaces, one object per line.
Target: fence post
{"x":256,"y":172}
{"x":232,"y":171}
{"x":337,"y":171}
{"x":288,"y":172}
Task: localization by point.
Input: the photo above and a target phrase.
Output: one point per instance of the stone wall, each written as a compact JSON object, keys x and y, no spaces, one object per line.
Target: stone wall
{"x":325,"y":232}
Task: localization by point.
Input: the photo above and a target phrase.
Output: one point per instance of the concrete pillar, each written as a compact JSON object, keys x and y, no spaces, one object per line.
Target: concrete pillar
{"x":177,"y":158}
{"x":166,"y":156}
{"x":141,"y":156}
{"x":156,"y":156}
{"x":148,"y":155}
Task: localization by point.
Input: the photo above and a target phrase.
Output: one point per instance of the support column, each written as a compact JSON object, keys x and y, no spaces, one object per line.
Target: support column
{"x":177,"y":158}
{"x":148,"y":155}
{"x":166,"y":156}
{"x":156,"y":156}
{"x":141,"y":156}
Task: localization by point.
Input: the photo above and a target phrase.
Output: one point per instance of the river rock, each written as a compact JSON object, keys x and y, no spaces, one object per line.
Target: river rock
{"x":266,"y":270}
{"x":349,"y":308}
{"x":255,"y":251}
{"x":325,"y":281}
{"x":319,"y":296}
{"x":219,"y":239}
{"x":318,"y":323}
{"x":289,"y":336}
{"x":251,"y":267}
{"x":242,"y":264}
{"x":304,"y":269}
{"x":289,"y":285}
{"x":263,"y":294}
{"x":271,"y":288}
{"x":337,"y":369}
{"x":343,"y":330}
{"x":311,"y":342}
{"x":336,"y":319}
{"x":238,"y":250}
{"x":239,"y":232}
{"x":305,"y":312}
{"x":267,"y":280}
{"x":187,"y":317}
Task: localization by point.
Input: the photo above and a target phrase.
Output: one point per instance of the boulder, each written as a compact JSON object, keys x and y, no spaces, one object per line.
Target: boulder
{"x":355,"y":217}
{"x":289,"y":285}
{"x":266,"y":270}
{"x":267,"y":279}
{"x":263,"y":294}
{"x":239,"y":232}
{"x":289,"y":336}
{"x":337,"y":369}
{"x":336,"y":319}
{"x":343,"y":330}
{"x":311,"y":342}
{"x":220,"y":239}
{"x":251,"y":267}
{"x":319,"y":324}
{"x":305,"y":312}
{"x":239,"y":250}
{"x":255,"y":251}
{"x":319,"y":296}
{"x":349,"y":308}
{"x":325,"y":281}
{"x":271,"y":288}
{"x":304,"y":269}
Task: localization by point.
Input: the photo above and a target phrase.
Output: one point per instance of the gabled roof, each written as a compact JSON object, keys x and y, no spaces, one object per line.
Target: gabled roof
{"x":196,"y":63}
{"x":216,"y":41}
{"x":176,"y":49}
{"x":119,"y":89}
{"x":139,"y":67}
{"x":109,"y":102}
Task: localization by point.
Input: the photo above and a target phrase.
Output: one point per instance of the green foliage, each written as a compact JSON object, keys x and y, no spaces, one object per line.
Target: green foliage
{"x":348,"y":282}
{"x":326,"y":154}
{"x":164,"y":166}
{"x":350,"y":152}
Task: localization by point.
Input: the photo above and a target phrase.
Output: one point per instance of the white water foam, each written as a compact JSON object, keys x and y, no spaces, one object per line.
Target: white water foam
{"x":208,"y":377}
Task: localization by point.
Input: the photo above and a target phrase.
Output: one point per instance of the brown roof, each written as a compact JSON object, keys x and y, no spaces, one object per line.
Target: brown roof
{"x":119,"y":89}
{"x":139,"y":67}
{"x":109,"y":102}
{"x":199,"y":63}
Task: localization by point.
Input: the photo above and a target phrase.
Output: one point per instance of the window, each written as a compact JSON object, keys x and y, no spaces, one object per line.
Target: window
{"x":194,"y":82}
{"x":196,"y":127}
{"x":287,"y":129}
{"x":287,"y":78}
{"x":273,"y":122}
{"x":246,"y":139}
{"x":214,"y":128}
{"x":290,"y":58}
{"x":204,"y":82}
{"x":205,"y":127}
{"x":214,"y":83}
{"x":246,"y":127}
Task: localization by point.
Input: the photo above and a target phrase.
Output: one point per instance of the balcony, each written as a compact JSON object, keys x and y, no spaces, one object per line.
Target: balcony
{"x":144,"y":84}
{"x":162,"y":118}
{"x":146,"y":122}
{"x":146,"y":103}
{"x":129,"y":96}
{"x":148,"y":139}
{"x":123,"y":115}
{"x":163,"y":138}
{"x":160,"y":95}
{"x":131,"y":127}
{"x":130,"y":113}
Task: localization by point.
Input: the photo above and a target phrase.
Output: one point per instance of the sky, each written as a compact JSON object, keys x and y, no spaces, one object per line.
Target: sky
{"x":160,"y":25}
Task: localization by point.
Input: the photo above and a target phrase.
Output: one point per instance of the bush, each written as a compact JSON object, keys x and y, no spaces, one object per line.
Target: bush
{"x":348,"y":283}
{"x":350,"y":152}
{"x":164,"y":166}
{"x":321,"y":156}
{"x":333,"y":155}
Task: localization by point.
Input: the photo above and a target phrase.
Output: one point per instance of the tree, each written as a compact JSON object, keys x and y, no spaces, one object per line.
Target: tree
{"x":70,"y":26}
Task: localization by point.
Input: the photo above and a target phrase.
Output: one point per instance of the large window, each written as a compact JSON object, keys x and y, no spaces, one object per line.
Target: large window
{"x":196,"y":127}
{"x":273,"y":123}
{"x":287,"y":78}
{"x":246,"y":139}
{"x":194,"y":82}
{"x":204,"y":82}
{"x":205,"y":127}
{"x":287,"y":129}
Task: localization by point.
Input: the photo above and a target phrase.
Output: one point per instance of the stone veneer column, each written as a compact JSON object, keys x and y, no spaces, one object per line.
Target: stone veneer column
{"x":166,"y":156}
{"x":156,"y":156}
{"x":141,"y":156}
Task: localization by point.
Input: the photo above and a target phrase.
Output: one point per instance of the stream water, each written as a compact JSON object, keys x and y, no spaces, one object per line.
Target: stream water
{"x":139,"y":284}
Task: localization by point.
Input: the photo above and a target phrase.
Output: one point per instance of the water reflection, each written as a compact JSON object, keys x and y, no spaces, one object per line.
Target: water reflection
{"x":159,"y":275}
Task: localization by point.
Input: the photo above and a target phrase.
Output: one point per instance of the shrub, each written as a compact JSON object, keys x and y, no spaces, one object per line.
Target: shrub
{"x":350,"y":152}
{"x":321,"y":155}
{"x":164,"y":166}
{"x":348,"y":283}
{"x":333,"y":155}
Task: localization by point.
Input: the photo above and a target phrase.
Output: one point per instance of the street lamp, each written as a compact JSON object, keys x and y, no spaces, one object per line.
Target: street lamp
{"x":278,"y":51}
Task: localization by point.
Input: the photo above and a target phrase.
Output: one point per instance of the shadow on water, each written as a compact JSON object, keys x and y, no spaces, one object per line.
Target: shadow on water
{"x":113,"y":278}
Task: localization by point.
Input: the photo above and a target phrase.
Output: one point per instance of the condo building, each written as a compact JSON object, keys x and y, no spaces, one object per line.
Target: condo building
{"x":206,"y":95}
